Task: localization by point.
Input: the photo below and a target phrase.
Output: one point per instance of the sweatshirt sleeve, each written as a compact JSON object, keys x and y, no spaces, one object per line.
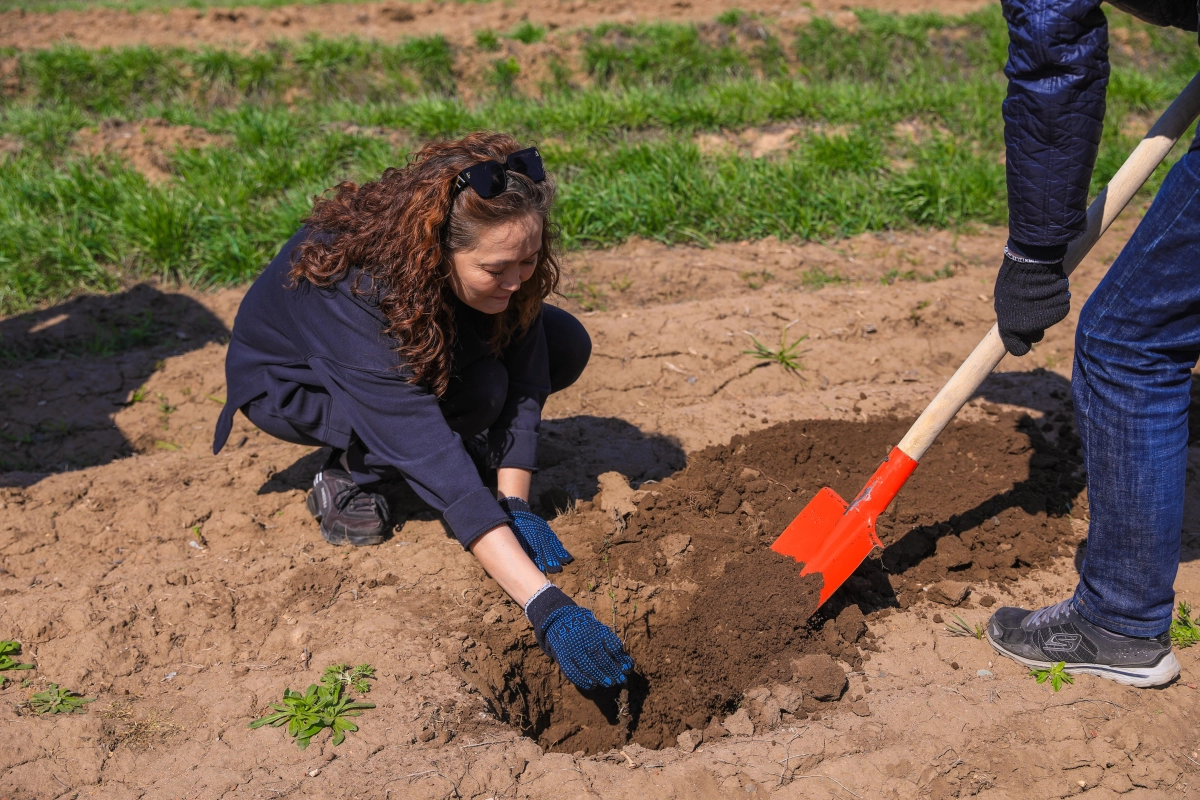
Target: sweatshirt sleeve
{"x":1053,"y":115}
{"x":398,"y":421}
{"x":513,"y":437}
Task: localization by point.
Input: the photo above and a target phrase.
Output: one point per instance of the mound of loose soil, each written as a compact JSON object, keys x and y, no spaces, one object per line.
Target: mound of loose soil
{"x":682,"y":570}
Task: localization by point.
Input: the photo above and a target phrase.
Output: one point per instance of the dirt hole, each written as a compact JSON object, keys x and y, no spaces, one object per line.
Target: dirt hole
{"x":720,"y":627}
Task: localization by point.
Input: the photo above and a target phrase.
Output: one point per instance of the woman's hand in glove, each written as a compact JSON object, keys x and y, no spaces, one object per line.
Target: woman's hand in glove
{"x":586,"y":650}
{"x":1031,"y":295}
{"x":537,"y":539}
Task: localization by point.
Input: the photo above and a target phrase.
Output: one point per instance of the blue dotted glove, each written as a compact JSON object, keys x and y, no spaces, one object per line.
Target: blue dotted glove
{"x":537,"y":539}
{"x":586,"y":650}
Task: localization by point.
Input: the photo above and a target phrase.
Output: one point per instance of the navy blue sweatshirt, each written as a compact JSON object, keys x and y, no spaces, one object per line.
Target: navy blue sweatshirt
{"x":333,"y":341}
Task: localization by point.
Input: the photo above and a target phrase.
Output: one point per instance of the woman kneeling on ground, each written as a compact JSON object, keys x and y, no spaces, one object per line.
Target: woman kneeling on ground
{"x":404,"y":323}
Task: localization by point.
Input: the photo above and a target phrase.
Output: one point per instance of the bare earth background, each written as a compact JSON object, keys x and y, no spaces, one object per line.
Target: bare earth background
{"x":185,"y":591}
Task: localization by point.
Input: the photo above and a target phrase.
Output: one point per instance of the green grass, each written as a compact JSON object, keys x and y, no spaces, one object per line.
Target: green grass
{"x":35,"y":6}
{"x":786,"y":355}
{"x":622,"y":149}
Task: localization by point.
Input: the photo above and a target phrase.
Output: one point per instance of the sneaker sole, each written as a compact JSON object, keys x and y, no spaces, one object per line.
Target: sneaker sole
{"x":340,"y":538}
{"x":310,"y":503}
{"x":1165,"y":671}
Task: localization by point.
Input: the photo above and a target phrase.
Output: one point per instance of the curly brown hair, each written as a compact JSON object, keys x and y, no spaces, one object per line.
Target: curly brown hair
{"x":402,"y":230}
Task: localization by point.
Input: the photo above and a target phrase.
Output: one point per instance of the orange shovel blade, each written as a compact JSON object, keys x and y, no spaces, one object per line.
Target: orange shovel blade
{"x":832,"y":537}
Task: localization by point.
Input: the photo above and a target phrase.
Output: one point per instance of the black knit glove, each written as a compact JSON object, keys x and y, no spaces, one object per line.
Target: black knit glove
{"x":1031,"y":296}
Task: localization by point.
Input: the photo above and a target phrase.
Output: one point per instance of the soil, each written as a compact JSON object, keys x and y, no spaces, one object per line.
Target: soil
{"x":708,"y":611}
{"x":146,"y":144}
{"x":254,"y":28}
{"x":185,"y":591}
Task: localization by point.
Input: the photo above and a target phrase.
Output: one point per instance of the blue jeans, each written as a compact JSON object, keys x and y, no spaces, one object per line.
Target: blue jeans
{"x":1137,"y":341}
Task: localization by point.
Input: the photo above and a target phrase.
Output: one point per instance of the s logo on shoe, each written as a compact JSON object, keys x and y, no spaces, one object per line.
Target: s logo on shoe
{"x":1062,"y":641}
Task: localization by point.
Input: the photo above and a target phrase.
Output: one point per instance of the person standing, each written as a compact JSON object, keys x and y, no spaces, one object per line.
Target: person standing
{"x":1137,"y":341}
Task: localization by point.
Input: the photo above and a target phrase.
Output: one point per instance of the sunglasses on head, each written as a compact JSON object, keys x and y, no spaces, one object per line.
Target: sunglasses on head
{"x":490,"y":178}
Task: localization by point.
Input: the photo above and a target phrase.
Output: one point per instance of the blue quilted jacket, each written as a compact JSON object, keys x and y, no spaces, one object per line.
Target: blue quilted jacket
{"x":1058,"y":72}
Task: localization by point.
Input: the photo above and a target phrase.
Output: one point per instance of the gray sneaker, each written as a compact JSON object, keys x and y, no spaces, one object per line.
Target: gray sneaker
{"x":348,"y":513}
{"x":1039,"y":639}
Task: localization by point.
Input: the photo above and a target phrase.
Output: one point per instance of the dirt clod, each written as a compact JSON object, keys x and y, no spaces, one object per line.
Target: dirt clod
{"x":739,"y":723}
{"x":820,"y":676}
{"x":689,"y":740}
{"x":949,"y":593}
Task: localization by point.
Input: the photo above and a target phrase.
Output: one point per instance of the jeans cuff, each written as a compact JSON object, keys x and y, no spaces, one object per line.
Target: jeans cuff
{"x":1115,"y":625}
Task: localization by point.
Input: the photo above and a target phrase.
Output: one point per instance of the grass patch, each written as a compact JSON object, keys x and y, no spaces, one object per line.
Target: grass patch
{"x":43,"y":6}
{"x":487,"y":40}
{"x":786,"y":355}
{"x":899,"y":125}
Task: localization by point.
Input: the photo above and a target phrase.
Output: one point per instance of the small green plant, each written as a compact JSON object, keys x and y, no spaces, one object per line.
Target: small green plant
{"x":1057,"y":675}
{"x":817,"y":278}
{"x":893,"y":275}
{"x":960,"y":627}
{"x":787,"y":355}
{"x":487,"y":40}
{"x":622,"y":283}
{"x":7,"y":651}
{"x":730,"y":17}
{"x":345,"y":675}
{"x":528,"y":32}
{"x":756,"y":279}
{"x":139,"y":394}
{"x":164,"y":406}
{"x":504,"y":74}
{"x":1184,"y":630}
{"x":324,"y":705}
{"x":57,"y":700}
{"x":590,"y":297}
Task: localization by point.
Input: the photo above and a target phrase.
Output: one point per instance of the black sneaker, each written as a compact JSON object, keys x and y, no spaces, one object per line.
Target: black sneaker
{"x":348,"y":513}
{"x":1039,"y":639}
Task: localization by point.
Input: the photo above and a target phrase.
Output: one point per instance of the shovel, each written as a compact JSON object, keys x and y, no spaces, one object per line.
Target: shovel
{"x":832,"y":537}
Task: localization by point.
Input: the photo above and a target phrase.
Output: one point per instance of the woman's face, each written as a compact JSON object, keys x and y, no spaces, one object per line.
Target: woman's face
{"x":486,"y":276}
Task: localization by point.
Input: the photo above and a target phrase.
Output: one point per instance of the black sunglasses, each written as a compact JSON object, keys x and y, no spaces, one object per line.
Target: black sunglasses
{"x":490,"y":178}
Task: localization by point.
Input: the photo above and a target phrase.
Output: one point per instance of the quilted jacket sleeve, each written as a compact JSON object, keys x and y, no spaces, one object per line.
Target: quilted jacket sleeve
{"x":1058,"y":72}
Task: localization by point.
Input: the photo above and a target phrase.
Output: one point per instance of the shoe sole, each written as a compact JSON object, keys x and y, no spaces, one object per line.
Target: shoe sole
{"x":310,"y":503}
{"x":1165,"y":671}
{"x":338,"y":536}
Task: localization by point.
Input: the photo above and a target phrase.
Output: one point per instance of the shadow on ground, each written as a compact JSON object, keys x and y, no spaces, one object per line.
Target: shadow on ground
{"x":65,"y":370}
{"x":572,"y":453}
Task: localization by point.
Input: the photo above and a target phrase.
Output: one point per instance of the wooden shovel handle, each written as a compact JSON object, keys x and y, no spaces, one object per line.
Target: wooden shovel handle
{"x":1141,"y":163}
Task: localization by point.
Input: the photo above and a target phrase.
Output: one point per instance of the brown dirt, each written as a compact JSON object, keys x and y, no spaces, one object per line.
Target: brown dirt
{"x":146,"y":144}
{"x":708,"y":611}
{"x":182,"y":639}
{"x":251,"y":28}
